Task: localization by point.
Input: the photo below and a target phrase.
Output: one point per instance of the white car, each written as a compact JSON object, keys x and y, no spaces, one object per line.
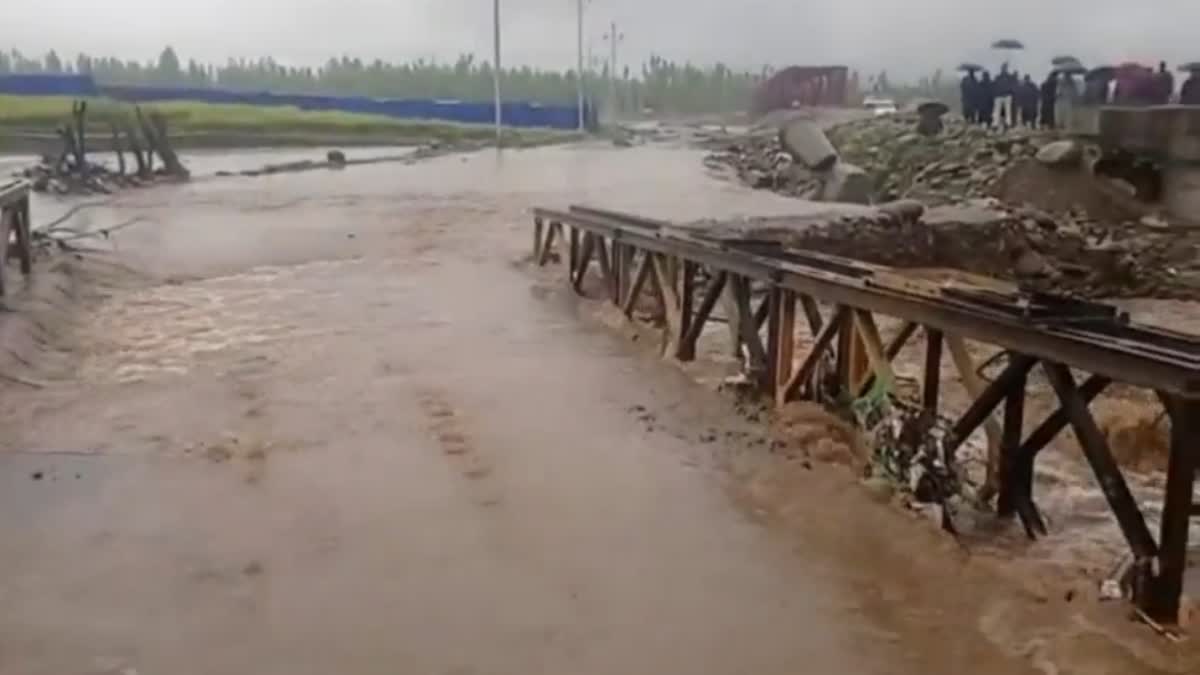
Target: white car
{"x":879,"y":106}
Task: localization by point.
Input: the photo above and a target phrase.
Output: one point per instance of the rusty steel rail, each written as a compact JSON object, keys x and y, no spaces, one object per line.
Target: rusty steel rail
{"x":16,"y":240}
{"x":684,"y":274}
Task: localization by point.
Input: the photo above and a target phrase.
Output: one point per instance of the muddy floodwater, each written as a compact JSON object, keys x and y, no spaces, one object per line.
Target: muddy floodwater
{"x":330,"y":422}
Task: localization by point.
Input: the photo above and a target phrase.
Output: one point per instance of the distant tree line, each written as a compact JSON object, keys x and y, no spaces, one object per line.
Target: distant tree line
{"x":659,"y":83}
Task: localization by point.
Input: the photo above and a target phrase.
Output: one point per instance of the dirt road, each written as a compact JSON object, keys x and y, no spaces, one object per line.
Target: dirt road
{"x":340,"y":429}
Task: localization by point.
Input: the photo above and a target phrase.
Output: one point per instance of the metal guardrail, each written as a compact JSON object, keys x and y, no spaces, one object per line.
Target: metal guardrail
{"x":684,"y":274}
{"x":15,"y":235}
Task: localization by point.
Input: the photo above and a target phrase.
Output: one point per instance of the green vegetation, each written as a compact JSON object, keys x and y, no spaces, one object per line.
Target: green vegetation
{"x":42,"y":114}
{"x":661,"y":84}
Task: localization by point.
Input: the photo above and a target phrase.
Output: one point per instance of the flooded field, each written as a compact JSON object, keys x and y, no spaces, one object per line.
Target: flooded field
{"x":330,"y":422}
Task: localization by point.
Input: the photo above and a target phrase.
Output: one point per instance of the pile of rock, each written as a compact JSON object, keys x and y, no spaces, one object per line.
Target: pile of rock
{"x":760,"y":161}
{"x":797,"y":160}
{"x":1027,"y":246}
{"x":962,"y":162}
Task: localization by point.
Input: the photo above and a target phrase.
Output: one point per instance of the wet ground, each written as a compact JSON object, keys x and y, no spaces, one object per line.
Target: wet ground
{"x":328,"y":422}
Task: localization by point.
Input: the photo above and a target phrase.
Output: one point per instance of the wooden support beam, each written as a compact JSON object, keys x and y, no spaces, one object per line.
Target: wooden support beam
{"x":802,"y":374}
{"x":932,"y":384}
{"x":24,"y":237}
{"x":757,"y":353}
{"x":555,"y":228}
{"x":625,"y":277}
{"x":606,"y":271}
{"x":981,"y":408}
{"x":763,"y":311}
{"x":893,"y":348}
{"x":873,"y":345}
{"x":1108,"y":474}
{"x":639,"y":281}
{"x":813,"y":313}
{"x":1167,"y":588}
{"x":1057,"y":421}
{"x":712,"y":293}
{"x":585,"y":259}
{"x":670,"y":302}
{"x":573,"y":252}
{"x":781,"y":341}
{"x":969,"y":375}
{"x":687,"y":295}
{"x":1014,"y":498}
{"x":729,"y":307}
{"x":877,"y":358}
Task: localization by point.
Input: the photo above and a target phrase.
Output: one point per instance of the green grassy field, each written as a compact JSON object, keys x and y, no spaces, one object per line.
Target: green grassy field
{"x":241,"y":124}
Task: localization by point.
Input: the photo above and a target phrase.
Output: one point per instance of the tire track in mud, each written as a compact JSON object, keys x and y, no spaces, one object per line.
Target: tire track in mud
{"x":448,"y":427}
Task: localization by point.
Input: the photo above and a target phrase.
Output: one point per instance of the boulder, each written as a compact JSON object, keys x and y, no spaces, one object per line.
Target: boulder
{"x":846,"y":183}
{"x":1060,"y":153}
{"x":805,"y":140}
{"x":336,"y":157}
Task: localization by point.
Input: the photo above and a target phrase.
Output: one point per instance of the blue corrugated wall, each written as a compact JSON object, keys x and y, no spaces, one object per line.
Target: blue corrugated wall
{"x":514,"y":114}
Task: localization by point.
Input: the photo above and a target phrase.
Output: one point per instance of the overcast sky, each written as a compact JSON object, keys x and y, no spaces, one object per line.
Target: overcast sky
{"x":908,"y":37}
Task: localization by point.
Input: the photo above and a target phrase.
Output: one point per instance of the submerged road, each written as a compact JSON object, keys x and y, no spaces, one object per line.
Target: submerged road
{"x":340,"y":430}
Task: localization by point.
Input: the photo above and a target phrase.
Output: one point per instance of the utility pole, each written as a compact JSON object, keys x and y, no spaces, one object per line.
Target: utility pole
{"x":579,"y":58}
{"x":496,"y":66}
{"x":613,"y":38}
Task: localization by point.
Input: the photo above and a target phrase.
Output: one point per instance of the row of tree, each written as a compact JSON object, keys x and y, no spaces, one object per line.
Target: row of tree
{"x":659,"y":83}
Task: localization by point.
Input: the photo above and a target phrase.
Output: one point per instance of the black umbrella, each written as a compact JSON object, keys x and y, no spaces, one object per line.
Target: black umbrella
{"x":1063,"y":60}
{"x":1101,"y":73}
{"x":969,"y":67}
{"x":1008,"y":44}
{"x":1190,"y":67}
{"x":1071,"y":68}
{"x":934,"y":108}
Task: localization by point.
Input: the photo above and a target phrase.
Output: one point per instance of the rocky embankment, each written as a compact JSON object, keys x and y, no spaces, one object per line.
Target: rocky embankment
{"x":1021,"y":205}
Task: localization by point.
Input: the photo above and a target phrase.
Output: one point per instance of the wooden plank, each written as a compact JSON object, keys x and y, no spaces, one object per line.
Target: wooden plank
{"x":585,"y":259}
{"x":1108,"y":474}
{"x":670,"y":302}
{"x":783,"y":340}
{"x":815,"y":354}
{"x":1178,"y":508}
{"x":813,"y":313}
{"x":881,"y":364}
{"x":975,"y":385}
{"x":687,"y":348}
{"x":932,"y":385}
{"x":639,"y":281}
{"x":750,"y":337}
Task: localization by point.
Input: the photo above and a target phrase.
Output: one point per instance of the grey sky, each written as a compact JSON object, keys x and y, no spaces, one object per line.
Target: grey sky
{"x":909,"y":37}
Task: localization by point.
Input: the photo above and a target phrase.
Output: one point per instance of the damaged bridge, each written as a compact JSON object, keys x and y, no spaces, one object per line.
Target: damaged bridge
{"x":1082,"y":347}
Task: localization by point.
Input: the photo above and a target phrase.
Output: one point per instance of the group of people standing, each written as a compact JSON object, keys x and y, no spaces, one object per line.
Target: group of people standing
{"x":1005,"y":101}
{"x":1009,"y":100}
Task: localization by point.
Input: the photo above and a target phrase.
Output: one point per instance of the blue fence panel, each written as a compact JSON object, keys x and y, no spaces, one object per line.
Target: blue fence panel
{"x":47,"y":85}
{"x":517,"y":114}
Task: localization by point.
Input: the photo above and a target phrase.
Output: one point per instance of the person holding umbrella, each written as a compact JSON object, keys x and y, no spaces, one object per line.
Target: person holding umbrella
{"x":1049,"y":95}
{"x":1164,"y":83}
{"x":1005,"y":88}
{"x":986,"y":96}
{"x":1189,"y":94}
